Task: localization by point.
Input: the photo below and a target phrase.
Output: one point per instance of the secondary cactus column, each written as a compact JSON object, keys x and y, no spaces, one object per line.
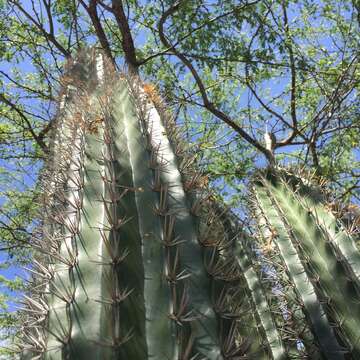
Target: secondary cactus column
{"x":320,"y":257}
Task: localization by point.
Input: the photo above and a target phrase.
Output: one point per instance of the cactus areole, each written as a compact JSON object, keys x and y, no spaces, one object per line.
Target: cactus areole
{"x":136,"y":261}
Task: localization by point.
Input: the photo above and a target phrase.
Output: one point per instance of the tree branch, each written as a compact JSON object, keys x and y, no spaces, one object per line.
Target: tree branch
{"x":186,"y":36}
{"x":293,"y":80}
{"x":207,"y":103}
{"x":22,"y":86}
{"x":127,"y":42}
{"x":100,"y":33}
{"x":36,"y":137}
{"x":48,"y":35}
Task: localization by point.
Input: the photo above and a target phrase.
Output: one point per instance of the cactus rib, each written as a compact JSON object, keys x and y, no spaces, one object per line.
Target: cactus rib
{"x":333,"y":281}
{"x":304,"y":288}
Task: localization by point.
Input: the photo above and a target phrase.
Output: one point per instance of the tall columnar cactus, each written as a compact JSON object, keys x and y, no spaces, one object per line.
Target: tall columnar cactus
{"x":319,"y":257}
{"x":132,"y":260}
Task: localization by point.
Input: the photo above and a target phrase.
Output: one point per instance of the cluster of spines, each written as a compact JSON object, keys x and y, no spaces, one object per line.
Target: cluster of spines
{"x":335,"y":271}
{"x":112,"y":260}
{"x":211,"y":238}
{"x":183,"y":263}
{"x":261,"y":327}
{"x":56,"y":188}
{"x":55,"y":261}
{"x":286,"y":304}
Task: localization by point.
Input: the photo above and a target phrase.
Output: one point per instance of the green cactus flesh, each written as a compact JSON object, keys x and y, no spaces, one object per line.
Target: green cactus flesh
{"x":258,"y":302}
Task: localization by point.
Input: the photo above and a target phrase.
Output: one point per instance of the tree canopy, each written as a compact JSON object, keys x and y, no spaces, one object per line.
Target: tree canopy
{"x":250,"y":82}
